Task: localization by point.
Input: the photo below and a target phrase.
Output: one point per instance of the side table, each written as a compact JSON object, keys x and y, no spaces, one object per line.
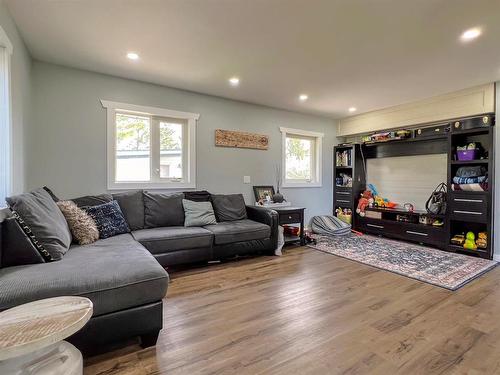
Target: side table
{"x":292,"y":215}
{"x":31,"y":336}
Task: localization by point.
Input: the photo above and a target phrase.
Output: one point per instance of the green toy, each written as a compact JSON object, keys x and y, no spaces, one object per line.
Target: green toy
{"x":470,"y":241}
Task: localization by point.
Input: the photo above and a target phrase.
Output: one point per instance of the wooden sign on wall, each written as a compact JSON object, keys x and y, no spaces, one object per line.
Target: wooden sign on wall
{"x":228,"y":138}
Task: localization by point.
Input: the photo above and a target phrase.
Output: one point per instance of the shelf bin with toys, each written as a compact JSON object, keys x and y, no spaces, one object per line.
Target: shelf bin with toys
{"x":344,"y":214}
{"x":470,"y":238}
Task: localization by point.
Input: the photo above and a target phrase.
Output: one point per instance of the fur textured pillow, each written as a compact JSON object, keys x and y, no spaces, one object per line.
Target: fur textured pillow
{"x":82,"y":226}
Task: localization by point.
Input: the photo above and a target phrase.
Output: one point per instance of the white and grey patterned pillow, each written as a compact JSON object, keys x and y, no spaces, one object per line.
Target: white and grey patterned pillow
{"x":82,"y":226}
{"x":109,"y":219}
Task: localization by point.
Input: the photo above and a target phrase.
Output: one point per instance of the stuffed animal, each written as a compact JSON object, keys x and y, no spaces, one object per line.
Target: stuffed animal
{"x":470,"y":243}
{"x":365,"y":200}
{"x":482,"y":240}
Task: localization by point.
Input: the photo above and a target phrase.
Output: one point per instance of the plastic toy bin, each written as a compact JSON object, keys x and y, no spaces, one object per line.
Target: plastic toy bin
{"x":467,"y":155}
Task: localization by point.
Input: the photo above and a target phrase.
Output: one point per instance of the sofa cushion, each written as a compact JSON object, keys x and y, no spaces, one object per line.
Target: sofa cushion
{"x":168,"y":239}
{"x":229,"y":207}
{"x":238,"y":231}
{"x":92,"y":200}
{"x":116,"y":273}
{"x":41,"y":214}
{"x":4,"y":214}
{"x":132,"y":206}
{"x":198,"y":214}
{"x":163,"y":210}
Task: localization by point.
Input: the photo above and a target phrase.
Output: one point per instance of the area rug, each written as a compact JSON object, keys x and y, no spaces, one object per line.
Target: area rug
{"x":433,"y":266}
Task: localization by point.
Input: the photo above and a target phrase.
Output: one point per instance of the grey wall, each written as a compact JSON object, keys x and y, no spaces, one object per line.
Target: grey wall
{"x":67,"y":149}
{"x":20,"y":85}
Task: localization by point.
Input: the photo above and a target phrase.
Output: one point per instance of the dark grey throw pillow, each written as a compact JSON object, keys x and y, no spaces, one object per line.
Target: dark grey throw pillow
{"x":132,"y":206}
{"x":51,"y":193}
{"x":92,"y":200}
{"x":163,"y":210}
{"x":198,"y":214}
{"x":229,"y":207}
{"x":197,"y":196}
{"x":109,"y":219}
{"x":17,"y":247}
{"x":40,"y":213}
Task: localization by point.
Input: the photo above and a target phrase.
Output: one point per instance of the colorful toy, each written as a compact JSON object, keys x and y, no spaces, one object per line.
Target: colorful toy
{"x":458,"y":239}
{"x":482,"y":240}
{"x":470,"y":243}
{"x":378,"y":201}
{"x":438,"y":223}
{"x":365,"y":200}
{"x":383,"y":202}
{"x":344,"y":214}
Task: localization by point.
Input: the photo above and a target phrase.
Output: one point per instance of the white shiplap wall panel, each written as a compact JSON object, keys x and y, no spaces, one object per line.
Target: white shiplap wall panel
{"x":463,"y":103}
{"x":407,"y":179}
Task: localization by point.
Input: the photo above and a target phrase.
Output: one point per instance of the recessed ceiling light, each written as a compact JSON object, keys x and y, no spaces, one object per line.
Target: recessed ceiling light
{"x":234,"y":81}
{"x":470,"y":34}
{"x":303,"y":97}
{"x":352,"y":109}
{"x":132,"y":56}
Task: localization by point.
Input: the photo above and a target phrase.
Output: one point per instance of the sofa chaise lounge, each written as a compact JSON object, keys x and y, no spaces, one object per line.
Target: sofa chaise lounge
{"x":124,"y":275}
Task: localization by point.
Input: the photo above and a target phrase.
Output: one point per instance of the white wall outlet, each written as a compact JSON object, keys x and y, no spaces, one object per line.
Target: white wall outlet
{"x":246,"y":179}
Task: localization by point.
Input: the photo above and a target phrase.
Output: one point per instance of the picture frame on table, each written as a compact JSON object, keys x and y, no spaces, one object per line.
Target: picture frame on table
{"x":262,"y":191}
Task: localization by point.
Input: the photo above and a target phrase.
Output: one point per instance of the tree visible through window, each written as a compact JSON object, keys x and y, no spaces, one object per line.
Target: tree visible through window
{"x":298,"y":158}
{"x":170,"y":150}
{"x":301,"y":158}
{"x":133,"y":146}
{"x":150,"y":147}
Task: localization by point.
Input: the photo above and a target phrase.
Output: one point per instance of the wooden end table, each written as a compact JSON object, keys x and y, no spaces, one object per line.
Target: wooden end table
{"x":31,"y":336}
{"x":292,"y":215}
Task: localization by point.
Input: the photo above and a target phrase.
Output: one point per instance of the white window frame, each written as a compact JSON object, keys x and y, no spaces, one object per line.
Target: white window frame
{"x":189,"y":182}
{"x":318,"y":137}
{"x":6,"y":159}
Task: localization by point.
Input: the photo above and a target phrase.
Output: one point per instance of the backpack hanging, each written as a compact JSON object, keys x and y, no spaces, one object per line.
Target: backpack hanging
{"x":436,"y":204}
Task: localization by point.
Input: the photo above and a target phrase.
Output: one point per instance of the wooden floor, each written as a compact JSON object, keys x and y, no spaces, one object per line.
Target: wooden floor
{"x":313,"y":313}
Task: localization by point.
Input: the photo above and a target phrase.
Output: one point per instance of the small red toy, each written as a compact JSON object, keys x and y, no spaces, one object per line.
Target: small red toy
{"x":365,"y":200}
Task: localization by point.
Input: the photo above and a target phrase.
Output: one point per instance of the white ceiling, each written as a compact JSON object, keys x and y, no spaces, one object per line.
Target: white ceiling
{"x":364,"y":53}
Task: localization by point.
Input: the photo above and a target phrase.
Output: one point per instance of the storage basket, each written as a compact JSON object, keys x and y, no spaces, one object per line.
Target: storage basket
{"x":467,"y":155}
{"x":345,"y":218}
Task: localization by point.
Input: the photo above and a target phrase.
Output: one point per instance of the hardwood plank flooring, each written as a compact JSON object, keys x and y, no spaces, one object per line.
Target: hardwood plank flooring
{"x":308,"y":312}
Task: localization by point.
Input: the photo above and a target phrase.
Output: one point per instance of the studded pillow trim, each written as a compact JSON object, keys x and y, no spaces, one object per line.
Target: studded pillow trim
{"x":27,"y":230}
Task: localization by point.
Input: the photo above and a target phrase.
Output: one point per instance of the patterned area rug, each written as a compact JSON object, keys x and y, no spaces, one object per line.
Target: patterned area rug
{"x":436,"y":267}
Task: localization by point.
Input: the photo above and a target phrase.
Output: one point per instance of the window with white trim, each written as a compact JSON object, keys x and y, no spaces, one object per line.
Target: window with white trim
{"x":301,"y":158}
{"x":5,"y":119}
{"x":149,"y":147}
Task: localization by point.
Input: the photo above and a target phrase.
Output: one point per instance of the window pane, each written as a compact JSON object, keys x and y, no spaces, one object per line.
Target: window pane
{"x":170,"y":150}
{"x":133,"y":134}
{"x":299,"y":153}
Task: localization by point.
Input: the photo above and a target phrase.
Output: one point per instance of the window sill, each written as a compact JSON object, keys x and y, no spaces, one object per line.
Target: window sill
{"x":302,"y":185}
{"x":150,"y":186}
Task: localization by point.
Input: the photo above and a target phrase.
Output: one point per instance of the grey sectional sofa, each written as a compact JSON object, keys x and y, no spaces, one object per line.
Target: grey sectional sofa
{"x":124,"y":276}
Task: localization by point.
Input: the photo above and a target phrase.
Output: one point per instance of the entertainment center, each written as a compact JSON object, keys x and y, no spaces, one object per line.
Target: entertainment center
{"x":469,"y":199}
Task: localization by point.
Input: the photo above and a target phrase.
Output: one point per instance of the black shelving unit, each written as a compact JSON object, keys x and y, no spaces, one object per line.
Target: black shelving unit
{"x":472,"y":210}
{"x":347,"y":196}
{"x":466,"y":210}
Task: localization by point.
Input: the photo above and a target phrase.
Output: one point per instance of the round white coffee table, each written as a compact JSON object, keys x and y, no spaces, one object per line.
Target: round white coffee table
{"x":31,"y":336}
